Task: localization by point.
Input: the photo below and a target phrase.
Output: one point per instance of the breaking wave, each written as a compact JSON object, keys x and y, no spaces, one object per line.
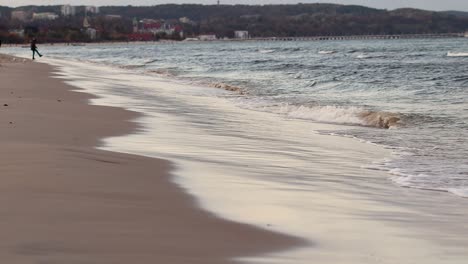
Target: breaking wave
{"x":344,"y":115}
{"x":424,"y":182}
{"x":356,"y":116}
{"x":228,"y":87}
{"x":130,"y":67}
{"x":151,"y":61}
{"x":326,"y":52}
{"x":368,"y":56}
{"x":457,"y":54}
{"x":163,"y":72}
{"x":266,"y":50}
{"x":380,"y":119}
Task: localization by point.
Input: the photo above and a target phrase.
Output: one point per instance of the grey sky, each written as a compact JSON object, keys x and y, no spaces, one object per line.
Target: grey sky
{"x":461,"y":5}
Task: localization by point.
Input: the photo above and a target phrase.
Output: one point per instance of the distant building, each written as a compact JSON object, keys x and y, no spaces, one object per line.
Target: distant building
{"x":185,"y":20}
{"x":466,"y":34}
{"x":113,"y":17}
{"x":44,"y":16}
{"x":17,"y":32}
{"x":241,"y":34}
{"x":92,"y":9}
{"x":207,"y":37}
{"x":19,"y":15}
{"x":86,"y":23}
{"x":135,"y":25}
{"x":157,"y":27}
{"x":91,"y":33}
{"x":68,"y":10}
{"x":191,"y":39}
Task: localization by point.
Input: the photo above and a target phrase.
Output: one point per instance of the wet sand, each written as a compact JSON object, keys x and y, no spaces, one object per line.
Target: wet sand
{"x":64,"y":201}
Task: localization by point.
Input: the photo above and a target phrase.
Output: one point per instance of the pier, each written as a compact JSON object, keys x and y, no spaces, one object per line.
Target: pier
{"x":364,"y":37}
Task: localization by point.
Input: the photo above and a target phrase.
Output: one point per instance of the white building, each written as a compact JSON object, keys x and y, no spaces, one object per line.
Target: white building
{"x":68,"y":10}
{"x":44,"y":16}
{"x":18,"y":32}
{"x":113,"y":17}
{"x":466,"y":34}
{"x":19,"y":15}
{"x":207,"y":37}
{"x":91,"y":33}
{"x":185,"y":20}
{"x":86,"y":23}
{"x":92,"y":9}
{"x":241,"y":34}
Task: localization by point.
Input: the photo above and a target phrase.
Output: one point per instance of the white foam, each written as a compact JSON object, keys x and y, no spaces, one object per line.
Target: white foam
{"x":326,"y":114}
{"x":329,"y":114}
{"x":417,"y":182}
{"x":457,"y":54}
{"x":266,"y":50}
{"x":326,"y":52}
{"x":462,"y":192}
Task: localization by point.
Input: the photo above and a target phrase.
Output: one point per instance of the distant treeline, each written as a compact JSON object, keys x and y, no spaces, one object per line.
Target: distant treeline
{"x":261,"y":21}
{"x":302,"y":19}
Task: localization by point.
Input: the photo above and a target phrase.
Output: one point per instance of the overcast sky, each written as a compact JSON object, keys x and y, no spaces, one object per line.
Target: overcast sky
{"x":388,"y":4}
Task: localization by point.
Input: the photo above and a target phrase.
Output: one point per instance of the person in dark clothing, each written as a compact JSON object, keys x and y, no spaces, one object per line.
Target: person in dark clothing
{"x":34,"y":48}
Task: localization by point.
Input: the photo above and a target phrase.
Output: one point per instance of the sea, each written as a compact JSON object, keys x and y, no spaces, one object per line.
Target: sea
{"x":410,"y":96}
{"x":288,"y":117}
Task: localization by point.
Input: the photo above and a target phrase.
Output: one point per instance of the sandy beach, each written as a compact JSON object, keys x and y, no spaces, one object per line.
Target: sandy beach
{"x":64,"y":201}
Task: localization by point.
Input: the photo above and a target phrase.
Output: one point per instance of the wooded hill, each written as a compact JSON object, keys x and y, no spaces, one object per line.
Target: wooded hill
{"x":302,"y":19}
{"x":274,"y":20}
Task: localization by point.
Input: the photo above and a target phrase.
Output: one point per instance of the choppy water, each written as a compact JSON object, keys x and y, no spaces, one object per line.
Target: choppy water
{"x":417,"y":88}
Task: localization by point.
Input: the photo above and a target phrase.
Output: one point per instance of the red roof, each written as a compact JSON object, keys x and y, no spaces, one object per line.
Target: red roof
{"x":152,"y":25}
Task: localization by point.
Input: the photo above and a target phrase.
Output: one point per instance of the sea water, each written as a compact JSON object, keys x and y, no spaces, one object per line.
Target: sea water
{"x":407,"y":95}
{"x":306,"y":138}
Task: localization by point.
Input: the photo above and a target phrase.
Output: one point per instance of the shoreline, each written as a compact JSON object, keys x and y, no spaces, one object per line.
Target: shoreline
{"x":349,"y":213}
{"x":352,"y":214}
{"x":64,"y":200}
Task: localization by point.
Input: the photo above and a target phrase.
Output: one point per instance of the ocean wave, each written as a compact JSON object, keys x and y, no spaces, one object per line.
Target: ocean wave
{"x":462,"y":192}
{"x":380,"y":119}
{"x":457,"y":54}
{"x":151,"y":61}
{"x":266,"y":50}
{"x":289,"y":66}
{"x":326,"y":52}
{"x":129,"y":67}
{"x":368,"y":56}
{"x":261,"y":61}
{"x":291,"y":49}
{"x":342,"y":115}
{"x":164,"y":72}
{"x":423,"y":182}
{"x":228,"y":87}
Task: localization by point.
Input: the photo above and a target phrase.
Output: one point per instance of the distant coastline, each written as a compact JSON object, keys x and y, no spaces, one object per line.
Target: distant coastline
{"x":72,"y":24}
{"x":313,"y":38}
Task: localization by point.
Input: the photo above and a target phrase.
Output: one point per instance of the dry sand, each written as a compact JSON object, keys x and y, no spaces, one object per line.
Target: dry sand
{"x":63,"y":201}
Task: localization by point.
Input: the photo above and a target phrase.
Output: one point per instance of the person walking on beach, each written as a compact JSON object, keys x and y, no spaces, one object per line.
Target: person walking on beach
{"x":34,"y":48}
